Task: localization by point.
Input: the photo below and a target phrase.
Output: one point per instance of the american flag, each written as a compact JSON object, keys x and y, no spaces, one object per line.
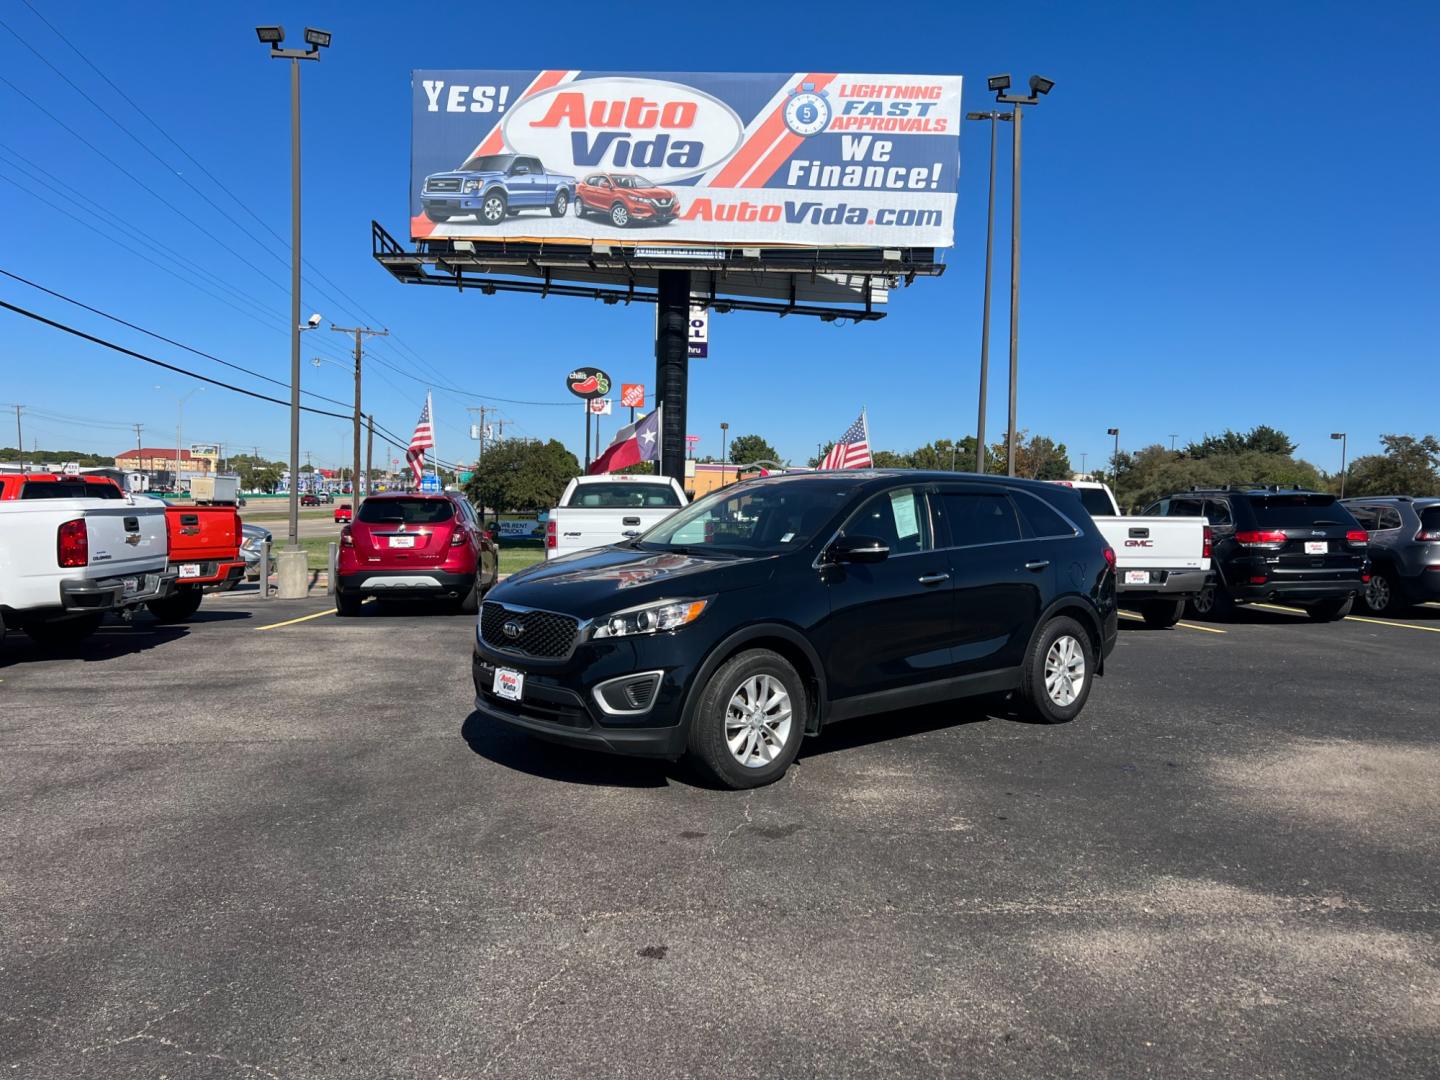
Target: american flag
{"x":422,"y":440}
{"x":853,"y":449}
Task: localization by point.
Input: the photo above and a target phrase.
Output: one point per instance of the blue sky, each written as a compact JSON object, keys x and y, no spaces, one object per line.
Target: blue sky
{"x":1230,"y":218}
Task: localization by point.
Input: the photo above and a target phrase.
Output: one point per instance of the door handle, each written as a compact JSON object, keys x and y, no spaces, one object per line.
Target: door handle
{"x":1037,"y":565}
{"x":932,"y":579}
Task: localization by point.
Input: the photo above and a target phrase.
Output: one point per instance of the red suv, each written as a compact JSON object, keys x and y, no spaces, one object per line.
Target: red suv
{"x":415,"y":545}
{"x":625,"y":199}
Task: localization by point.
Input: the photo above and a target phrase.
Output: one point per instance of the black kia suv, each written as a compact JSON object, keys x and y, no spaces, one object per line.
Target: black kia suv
{"x":775,"y":606}
{"x":1279,"y":544}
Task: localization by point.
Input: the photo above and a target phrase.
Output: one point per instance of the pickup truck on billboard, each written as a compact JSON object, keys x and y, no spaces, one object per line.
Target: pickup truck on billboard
{"x":489,"y":187}
{"x":821,"y":159}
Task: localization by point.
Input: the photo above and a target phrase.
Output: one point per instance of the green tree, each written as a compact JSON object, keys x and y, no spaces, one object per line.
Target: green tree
{"x":521,"y":475}
{"x":1262,"y":439}
{"x":747,"y":448}
{"x":1409,"y":466}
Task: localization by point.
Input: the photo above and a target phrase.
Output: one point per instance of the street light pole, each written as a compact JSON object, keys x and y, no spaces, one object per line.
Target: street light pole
{"x":993,"y":117}
{"x":292,"y":561}
{"x":1344,"y":445}
{"x":1038,"y":86}
{"x":1115,"y":465}
{"x":724,"y":435}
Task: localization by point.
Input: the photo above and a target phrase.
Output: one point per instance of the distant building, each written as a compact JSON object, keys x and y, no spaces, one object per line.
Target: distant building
{"x":161,"y":459}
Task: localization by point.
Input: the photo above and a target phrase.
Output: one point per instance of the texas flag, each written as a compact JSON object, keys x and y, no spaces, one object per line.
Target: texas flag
{"x":633,"y":444}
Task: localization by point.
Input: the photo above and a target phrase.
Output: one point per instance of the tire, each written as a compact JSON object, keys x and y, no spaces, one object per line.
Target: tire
{"x":348,"y":604}
{"x":469,"y":603}
{"x":64,"y":631}
{"x":620,"y":216}
{"x":579,"y":206}
{"x":1382,"y":595}
{"x":494,"y":208}
{"x":1212,"y":602}
{"x":1162,"y":614}
{"x":561,"y":203}
{"x":1059,"y":671}
{"x":437,"y":217}
{"x":177,"y":607}
{"x":724,"y":706}
{"x":1332,"y":610}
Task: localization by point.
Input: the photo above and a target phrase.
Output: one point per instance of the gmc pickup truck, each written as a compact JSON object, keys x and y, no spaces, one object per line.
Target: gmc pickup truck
{"x":596,"y":511}
{"x":1160,"y":561}
{"x":73,"y":548}
{"x":491,"y":186}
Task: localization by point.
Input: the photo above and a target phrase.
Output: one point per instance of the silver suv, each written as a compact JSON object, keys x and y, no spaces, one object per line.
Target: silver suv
{"x":1404,"y":550}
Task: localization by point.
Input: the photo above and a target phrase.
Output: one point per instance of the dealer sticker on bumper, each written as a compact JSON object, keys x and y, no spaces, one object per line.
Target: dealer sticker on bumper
{"x":1137,"y":577}
{"x":509,"y":683}
{"x":189,"y":569}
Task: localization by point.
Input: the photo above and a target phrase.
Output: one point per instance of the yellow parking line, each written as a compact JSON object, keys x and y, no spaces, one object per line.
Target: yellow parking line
{"x":1277,"y":607}
{"x":1384,"y":622}
{"x":1185,"y":625}
{"x":306,"y":618}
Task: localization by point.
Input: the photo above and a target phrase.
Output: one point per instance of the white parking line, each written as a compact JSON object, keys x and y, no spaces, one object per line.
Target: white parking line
{"x":1353,"y":618}
{"x":1183,"y":625}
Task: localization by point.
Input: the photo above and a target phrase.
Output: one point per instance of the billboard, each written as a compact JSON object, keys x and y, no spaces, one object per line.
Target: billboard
{"x":656,"y":159}
{"x":699,"y":332}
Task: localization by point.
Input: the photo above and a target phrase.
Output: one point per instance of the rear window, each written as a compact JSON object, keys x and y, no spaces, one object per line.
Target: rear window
{"x":625,"y":496}
{"x":406,"y":511}
{"x":1095,"y":501}
{"x":1430,"y":519}
{"x":69,"y":489}
{"x":1299,"y":511}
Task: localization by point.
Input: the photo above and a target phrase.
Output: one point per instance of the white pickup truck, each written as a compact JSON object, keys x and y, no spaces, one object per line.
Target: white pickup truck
{"x":1160,"y":562}
{"x":596,"y":511}
{"x":64,"y":562}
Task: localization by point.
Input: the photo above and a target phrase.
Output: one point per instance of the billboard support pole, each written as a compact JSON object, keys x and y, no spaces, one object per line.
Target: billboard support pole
{"x":672,"y":349}
{"x":587,"y":435}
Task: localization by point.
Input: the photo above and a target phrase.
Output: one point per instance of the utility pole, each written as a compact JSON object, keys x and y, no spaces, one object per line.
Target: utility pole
{"x":369,"y":454}
{"x":19,"y":438}
{"x":138,"y":445}
{"x":1172,"y":442}
{"x":359,"y":332}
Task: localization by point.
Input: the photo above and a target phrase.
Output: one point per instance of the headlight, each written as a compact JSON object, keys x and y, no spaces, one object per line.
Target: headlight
{"x":650,"y":619}
{"x":471,"y":186}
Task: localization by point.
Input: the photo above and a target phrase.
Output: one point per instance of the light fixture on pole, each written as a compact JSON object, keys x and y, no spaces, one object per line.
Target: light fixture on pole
{"x":1115,"y":465}
{"x":724,"y":434}
{"x":1344,"y":445}
{"x":1039,"y":86}
{"x":985,"y":317}
{"x":292,"y":562}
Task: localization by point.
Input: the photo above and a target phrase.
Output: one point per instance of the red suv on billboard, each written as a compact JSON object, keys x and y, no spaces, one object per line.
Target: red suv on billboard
{"x":415,"y":546}
{"x":625,"y":198}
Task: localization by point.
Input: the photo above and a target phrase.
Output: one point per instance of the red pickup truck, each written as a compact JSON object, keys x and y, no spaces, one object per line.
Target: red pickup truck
{"x":204,"y":541}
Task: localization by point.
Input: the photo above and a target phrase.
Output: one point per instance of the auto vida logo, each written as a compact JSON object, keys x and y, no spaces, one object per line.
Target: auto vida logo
{"x":664,"y":130}
{"x":513,"y":628}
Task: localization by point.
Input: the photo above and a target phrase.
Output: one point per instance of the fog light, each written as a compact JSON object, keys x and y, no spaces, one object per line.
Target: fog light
{"x":628,"y":694}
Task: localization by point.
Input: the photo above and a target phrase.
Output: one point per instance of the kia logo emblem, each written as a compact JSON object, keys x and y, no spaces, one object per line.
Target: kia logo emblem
{"x":513,"y":628}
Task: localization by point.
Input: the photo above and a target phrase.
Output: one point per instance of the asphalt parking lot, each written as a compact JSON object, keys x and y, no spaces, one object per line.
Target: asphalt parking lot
{"x":278,"y":845}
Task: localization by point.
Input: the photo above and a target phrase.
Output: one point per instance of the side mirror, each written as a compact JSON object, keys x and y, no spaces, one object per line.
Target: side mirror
{"x":859,"y":549}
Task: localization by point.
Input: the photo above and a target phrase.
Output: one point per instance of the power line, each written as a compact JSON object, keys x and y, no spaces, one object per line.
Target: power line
{"x":161,"y":337}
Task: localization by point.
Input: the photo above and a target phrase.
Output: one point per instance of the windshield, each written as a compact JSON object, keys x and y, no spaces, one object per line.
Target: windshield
{"x":757,"y":517}
{"x":405,"y":511}
{"x":487,"y":163}
{"x":630,"y":180}
{"x":623,"y":496}
{"x":1299,"y":511}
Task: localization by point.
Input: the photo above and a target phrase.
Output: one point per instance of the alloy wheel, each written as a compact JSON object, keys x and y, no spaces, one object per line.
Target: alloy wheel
{"x":1377,"y":593}
{"x":619,"y":215}
{"x":494,"y":209}
{"x":758,"y":721}
{"x":1064,"y":670}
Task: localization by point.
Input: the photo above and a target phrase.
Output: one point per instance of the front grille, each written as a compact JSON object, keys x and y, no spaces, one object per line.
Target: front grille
{"x":443,"y":184}
{"x":543,"y":634}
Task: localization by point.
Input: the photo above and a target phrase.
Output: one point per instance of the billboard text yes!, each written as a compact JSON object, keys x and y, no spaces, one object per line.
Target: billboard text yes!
{"x":808,"y":158}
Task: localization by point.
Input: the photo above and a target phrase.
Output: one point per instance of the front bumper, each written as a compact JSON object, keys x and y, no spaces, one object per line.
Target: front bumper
{"x":107,"y":594}
{"x":416,"y":581}
{"x":1168,"y":583}
{"x":662,"y":214}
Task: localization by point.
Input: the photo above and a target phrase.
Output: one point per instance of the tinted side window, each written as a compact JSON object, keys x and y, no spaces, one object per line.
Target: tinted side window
{"x":1389,"y":519}
{"x":1185,"y":507}
{"x":1217,"y":512}
{"x":1366,"y":515}
{"x":979,"y":518}
{"x":1043,"y":519}
{"x":898,"y":518}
